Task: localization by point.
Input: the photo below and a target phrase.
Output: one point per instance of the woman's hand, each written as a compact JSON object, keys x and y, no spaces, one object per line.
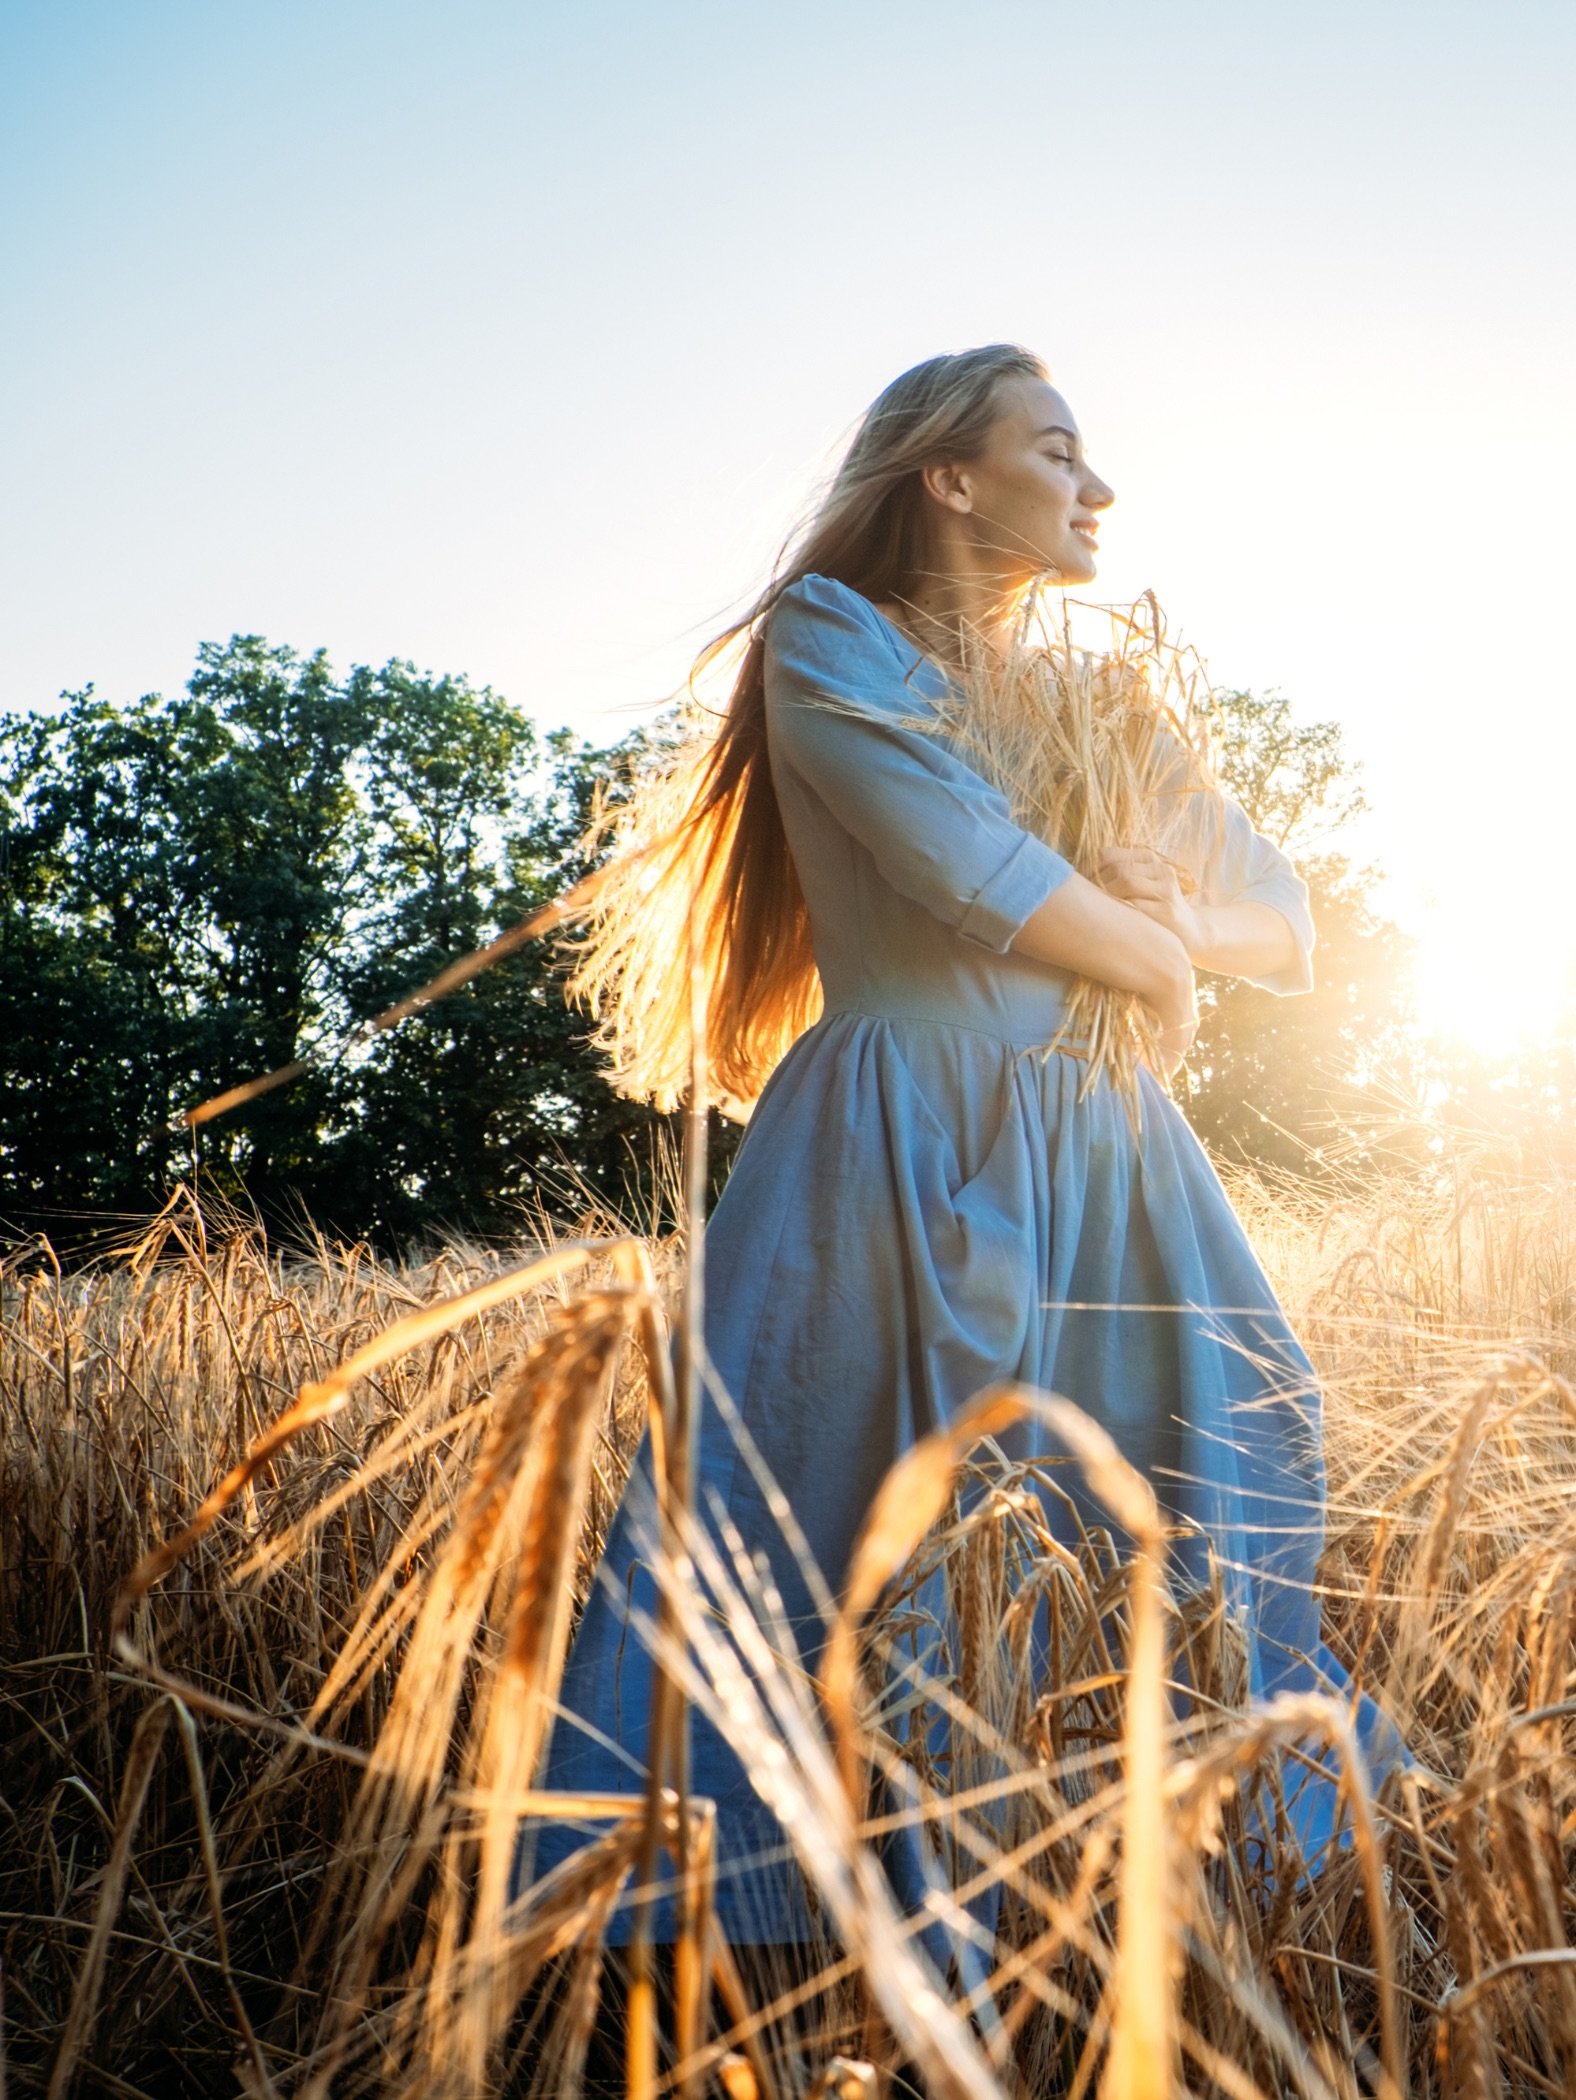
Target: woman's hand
{"x":1178,"y":1026}
{"x":1145,"y":879}
{"x":1245,"y":939}
{"x":1082,"y":928}
{"x":1140,"y":876}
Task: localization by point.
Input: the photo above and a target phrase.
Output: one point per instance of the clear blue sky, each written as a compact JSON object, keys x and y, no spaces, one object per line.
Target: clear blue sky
{"x":510,"y":338}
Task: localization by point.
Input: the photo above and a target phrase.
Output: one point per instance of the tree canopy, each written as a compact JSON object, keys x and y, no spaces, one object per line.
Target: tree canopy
{"x":197,"y":890}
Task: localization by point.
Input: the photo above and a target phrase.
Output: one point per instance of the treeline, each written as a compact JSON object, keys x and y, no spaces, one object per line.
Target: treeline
{"x":200,"y":889}
{"x":197,"y":890}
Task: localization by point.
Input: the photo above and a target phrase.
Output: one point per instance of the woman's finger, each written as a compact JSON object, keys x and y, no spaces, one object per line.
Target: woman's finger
{"x":1136,"y":868}
{"x":1134,"y":887}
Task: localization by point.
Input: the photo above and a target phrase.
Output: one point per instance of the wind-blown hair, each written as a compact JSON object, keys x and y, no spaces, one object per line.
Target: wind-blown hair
{"x":701,"y":830}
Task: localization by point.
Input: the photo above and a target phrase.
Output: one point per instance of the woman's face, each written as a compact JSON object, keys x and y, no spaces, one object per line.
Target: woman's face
{"x":1030,"y":498}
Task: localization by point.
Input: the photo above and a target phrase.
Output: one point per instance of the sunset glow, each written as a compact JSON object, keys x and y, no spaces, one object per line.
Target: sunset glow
{"x":1489,"y":990}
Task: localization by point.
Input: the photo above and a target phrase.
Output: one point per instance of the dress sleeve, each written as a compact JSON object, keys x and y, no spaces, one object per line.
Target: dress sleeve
{"x":1234,"y":864}
{"x":836,"y":700}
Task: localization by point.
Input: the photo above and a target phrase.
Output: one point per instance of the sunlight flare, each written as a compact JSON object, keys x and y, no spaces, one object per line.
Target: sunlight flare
{"x":1489,"y":987}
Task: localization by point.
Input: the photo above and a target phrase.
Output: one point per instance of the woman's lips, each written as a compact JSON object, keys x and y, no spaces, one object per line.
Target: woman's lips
{"x":1088,"y":532}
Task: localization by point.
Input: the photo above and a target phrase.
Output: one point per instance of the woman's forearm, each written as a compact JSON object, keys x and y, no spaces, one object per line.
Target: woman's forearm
{"x":1080,"y":928}
{"x":1247,"y":939}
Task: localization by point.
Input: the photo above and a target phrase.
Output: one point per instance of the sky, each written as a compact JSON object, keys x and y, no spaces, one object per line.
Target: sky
{"x":513,"y":338}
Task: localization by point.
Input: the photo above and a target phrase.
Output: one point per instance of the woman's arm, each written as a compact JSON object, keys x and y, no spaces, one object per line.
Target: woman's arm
{"x":840,"y":721}
{"x":1243,"y":939}
{"x":1080,"y":928}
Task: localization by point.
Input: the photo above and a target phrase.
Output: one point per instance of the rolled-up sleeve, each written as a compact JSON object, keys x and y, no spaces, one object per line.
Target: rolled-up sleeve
{"x":938,"y":832}
{"x":1245,"y":867}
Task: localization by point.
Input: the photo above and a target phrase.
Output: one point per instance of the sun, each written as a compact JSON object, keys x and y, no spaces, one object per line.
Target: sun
{"x":1490,"y":988}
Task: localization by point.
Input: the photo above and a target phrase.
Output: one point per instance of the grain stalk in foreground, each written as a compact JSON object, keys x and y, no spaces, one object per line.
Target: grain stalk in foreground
{"x":416,"y":1820}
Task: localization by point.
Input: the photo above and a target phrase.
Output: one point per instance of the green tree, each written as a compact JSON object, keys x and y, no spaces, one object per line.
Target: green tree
{"x":199,"y":890}
{"x":181,"y":875}
{"x":487,"y":1107}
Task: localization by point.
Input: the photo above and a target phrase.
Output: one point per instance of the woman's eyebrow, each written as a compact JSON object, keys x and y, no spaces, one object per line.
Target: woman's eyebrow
{"x":1057,"y":430}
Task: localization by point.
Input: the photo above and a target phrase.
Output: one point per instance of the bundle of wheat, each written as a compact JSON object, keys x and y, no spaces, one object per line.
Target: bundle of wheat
{"x":1093,"y":748}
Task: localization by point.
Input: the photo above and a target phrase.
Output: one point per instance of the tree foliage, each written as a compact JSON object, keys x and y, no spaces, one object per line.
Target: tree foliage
{"x":198,"y":890}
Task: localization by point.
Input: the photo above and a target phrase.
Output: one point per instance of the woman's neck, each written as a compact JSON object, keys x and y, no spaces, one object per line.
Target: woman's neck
{"x":952,"y":617}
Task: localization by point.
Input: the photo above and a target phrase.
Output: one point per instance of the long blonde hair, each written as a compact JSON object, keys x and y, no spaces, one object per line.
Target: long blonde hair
{"x":701,"y":830}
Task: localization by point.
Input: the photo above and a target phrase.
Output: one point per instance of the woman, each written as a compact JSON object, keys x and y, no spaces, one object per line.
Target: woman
{"x":923,"y":1202}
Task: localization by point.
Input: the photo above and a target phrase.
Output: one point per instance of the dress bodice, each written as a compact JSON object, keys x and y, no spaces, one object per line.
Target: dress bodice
{"x":915,"y":872}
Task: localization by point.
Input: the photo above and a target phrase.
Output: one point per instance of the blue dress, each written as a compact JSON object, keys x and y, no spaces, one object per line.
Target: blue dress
{"x":920,"y":1205}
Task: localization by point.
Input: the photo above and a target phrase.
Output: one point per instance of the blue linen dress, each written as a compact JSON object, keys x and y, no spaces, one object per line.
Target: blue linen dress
{"x":922,"y":1204}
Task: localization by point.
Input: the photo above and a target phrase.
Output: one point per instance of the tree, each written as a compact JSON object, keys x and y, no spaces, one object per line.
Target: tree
{"x":179,"y":880}
{"x":200,"y":890}
{"x":489,"y":1106}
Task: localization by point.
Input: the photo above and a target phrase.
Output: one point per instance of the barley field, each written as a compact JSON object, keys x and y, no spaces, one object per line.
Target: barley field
{"x":291,"y":1541}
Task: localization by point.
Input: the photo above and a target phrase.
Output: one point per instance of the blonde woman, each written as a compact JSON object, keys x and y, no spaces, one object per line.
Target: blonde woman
{"x":923,"y":1201}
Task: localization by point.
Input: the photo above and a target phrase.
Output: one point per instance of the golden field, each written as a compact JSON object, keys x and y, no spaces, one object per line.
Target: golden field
{"x":260,"y":1805}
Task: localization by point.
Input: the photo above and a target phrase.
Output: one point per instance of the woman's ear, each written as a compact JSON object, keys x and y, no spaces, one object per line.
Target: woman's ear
{"x":949,"y":485}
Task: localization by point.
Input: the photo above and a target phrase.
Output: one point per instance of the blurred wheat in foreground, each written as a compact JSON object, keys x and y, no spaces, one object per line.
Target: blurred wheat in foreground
{"x":259,"y":1806}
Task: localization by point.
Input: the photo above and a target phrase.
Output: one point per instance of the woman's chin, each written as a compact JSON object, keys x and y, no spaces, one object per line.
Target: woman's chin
{"x":1078,"y":564}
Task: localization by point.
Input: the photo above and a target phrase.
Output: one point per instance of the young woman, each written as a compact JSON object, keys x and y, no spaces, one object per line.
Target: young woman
{"x":923,"y":1202}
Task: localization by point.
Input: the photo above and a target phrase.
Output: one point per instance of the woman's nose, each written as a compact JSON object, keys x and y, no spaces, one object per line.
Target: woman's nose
{"x":1098,"y":494}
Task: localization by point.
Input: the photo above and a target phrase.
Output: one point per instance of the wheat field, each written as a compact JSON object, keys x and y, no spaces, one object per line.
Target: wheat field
{"x":292,"y":1542}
